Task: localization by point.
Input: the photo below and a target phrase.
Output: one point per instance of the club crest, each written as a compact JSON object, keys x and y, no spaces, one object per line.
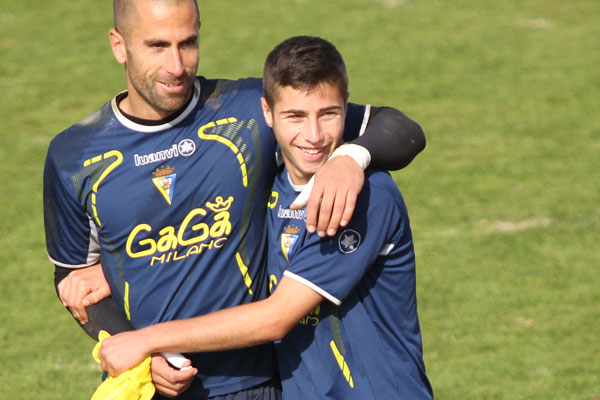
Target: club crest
{"x":288,"y":240}
{"x":164,"y":180}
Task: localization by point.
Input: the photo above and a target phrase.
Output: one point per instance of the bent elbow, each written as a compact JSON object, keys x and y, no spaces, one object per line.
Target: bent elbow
{"x":277,"y":329}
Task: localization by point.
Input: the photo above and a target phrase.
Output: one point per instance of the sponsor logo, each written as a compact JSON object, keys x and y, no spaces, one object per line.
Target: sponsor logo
{"x":349,"y":240}
{"x":185,"y":148}
{"x":286,"y":213}
{"x":313,"y":318}
{"x":196,"y":234}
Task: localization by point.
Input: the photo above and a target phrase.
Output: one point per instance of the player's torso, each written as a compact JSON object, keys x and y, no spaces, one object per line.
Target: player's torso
{"x":339,"y":352}
{"x":182,"y":208}
{"x":302,"y":375}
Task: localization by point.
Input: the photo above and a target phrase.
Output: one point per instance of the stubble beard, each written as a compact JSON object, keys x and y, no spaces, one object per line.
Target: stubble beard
{"x":147,"y":89}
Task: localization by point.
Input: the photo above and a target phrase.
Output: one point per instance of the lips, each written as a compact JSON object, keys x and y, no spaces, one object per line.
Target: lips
{"x":312,"y":150}
{"x":172,"y":87}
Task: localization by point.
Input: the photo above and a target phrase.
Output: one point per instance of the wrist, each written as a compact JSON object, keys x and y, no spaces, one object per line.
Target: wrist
{"x":149,"y":339}
{"x":358,"y":153}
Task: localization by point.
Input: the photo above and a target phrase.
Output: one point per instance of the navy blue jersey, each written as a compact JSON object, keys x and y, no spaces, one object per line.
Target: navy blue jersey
{"x":364,"y":342}
{"x":175,"y":213}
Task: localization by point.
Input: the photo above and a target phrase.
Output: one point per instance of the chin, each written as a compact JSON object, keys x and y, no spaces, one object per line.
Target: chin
{"x":309,"y":172}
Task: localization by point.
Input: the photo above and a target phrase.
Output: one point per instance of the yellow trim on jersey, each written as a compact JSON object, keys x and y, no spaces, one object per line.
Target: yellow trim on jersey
{"x":272,"y":282}
{"x":342,"y":363}
{"x":273,"y":200}
{"x":226,"y":142}
{"x":244,"y":271}
{"x":126,"y":301}
{"x":108,"y":170}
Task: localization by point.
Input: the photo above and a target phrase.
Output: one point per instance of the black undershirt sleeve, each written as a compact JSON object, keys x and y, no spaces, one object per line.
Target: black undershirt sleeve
{"x":102,"y":316}
{"x":392,"y":138}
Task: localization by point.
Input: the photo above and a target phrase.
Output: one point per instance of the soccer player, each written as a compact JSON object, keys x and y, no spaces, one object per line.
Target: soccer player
{"x":166,"y":186}
{"x":342,"y":309}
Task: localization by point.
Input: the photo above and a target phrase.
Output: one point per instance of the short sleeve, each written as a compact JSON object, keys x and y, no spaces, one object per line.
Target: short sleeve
{"x":334,"y":266}
{"x":71,"y":236}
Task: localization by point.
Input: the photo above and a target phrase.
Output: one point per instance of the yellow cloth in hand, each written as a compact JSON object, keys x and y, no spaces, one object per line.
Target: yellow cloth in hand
{"x":133,"y":384}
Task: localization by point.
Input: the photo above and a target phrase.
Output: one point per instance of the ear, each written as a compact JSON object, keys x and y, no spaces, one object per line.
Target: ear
{"x":267,"y":112}
{"x":117,"y":43}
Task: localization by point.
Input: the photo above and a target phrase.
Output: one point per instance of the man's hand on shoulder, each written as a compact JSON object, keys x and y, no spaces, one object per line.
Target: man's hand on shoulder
{"x":332,"y":199}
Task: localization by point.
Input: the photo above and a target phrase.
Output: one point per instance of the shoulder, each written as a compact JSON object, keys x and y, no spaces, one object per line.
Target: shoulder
{"x":380,"y":208}
{"x":380,"y":199}
{"x":81,"y":133}
{"x":212,"y":88}
{"x":381,"y":186}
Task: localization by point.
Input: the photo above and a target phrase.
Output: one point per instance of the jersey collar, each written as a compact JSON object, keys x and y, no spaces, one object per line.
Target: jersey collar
{"x":156,"y":128}
{"x":297,"y":188}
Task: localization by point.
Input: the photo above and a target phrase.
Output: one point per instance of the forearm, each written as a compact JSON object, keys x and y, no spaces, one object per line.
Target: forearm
{"x":392,"y":139}
{"x":242,"y":326}
{"x":104,"y":315}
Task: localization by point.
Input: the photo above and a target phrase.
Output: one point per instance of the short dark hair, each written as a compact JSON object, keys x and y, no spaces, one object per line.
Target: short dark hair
{"x":303,"y":62}
{"x":122,"y":10}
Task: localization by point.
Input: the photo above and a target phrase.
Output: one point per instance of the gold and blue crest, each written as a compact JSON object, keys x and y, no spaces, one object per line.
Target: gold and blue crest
{"x":164,"y":180}
{"x":288,"y":239}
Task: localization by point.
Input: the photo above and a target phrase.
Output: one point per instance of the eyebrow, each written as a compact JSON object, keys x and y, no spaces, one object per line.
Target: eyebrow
{"x":332,"y":108}
{"x":321,"y":110}
{"x":155,"y":42}
{"x":164,"y":43}
{"x":292,"y":111}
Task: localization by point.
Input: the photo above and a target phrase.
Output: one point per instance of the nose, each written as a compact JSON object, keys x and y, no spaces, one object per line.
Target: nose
{"x":312,"y":133}
{"x":174,"y":63}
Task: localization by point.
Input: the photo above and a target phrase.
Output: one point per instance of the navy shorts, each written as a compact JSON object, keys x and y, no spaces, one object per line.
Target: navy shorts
{"x":270,"y":390}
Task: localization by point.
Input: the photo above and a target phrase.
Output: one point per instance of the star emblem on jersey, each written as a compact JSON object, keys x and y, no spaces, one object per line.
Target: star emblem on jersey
{"x":288,"y":240}
{"x":164,"y":180}
{"x":186,"y":147}
{"x":349,"y":241}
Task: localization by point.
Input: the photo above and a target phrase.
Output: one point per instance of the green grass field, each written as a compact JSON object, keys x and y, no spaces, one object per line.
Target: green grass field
{"x":504,"y":202}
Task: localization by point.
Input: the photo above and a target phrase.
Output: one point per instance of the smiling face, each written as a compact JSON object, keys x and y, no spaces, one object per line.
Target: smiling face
{"x":308,"y":125}
{"x":160,"y":52}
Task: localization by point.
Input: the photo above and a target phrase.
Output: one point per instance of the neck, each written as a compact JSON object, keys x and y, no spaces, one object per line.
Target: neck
{"x":298,"y":187}
{"x":149,"y":122}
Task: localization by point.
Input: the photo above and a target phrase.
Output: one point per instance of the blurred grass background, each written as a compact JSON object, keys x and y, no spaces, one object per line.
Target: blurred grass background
{"x":504,"y":201}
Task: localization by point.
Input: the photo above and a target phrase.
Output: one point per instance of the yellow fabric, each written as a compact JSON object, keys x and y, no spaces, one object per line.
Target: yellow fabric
{"x":133,"y":384}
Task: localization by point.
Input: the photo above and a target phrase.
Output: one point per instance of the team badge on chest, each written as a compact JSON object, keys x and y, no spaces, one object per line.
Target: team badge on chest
{"x":164,"y":180}
{"x":288,"y":240}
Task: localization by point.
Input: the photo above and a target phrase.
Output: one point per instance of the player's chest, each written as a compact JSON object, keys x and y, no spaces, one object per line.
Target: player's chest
{"x":287,"y":230}
{"x":169,"y":178}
